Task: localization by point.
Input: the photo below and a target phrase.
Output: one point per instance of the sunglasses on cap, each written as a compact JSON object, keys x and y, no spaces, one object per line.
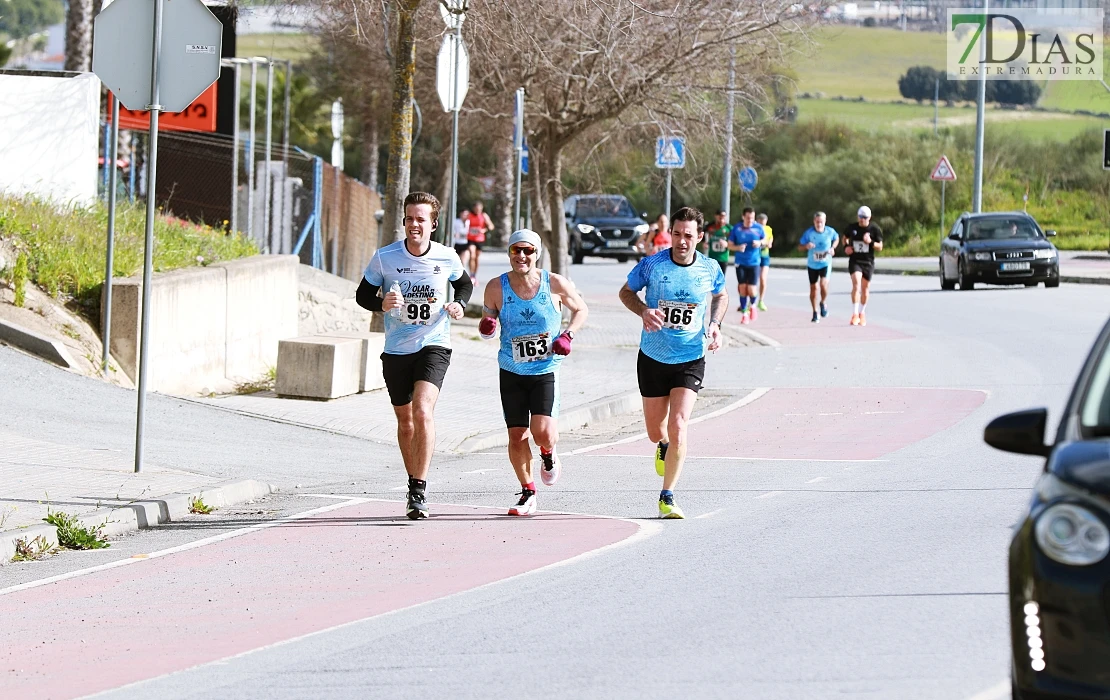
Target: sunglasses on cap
{"x":521,"y":250}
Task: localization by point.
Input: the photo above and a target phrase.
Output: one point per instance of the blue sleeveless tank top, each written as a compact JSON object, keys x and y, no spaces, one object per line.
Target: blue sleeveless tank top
{"x":528,"y":328}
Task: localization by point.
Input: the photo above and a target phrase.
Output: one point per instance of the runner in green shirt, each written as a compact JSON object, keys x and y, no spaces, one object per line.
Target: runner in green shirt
{"x":715,"y":242}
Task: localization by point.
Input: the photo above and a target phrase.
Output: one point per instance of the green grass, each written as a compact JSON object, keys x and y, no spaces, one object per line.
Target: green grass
{"x":66,"y":249}
{"x":295,"y":47}
{"x":857,"y":61}
{"x":884,"y":117}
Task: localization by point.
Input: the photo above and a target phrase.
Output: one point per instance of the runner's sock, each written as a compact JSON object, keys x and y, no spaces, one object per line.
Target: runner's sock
{"x":665,"y":493}
{"x":531,"y":486}
{"x":743,"y":304}
{"x":856,"y":307}
{"x":862,"y":308}
{"x":751,"y":301}
{"x":417,"y":484}
{"x":545,"y":451}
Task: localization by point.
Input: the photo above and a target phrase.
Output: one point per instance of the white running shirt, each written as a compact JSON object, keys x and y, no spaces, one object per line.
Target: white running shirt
{"x":425,"y":282}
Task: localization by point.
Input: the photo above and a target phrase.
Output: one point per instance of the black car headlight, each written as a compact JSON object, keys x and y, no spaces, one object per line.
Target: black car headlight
{"x":1072,"y":535}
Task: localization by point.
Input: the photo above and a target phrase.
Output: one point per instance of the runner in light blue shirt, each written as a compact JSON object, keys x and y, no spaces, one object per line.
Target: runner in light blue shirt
{"x":819,"y":242}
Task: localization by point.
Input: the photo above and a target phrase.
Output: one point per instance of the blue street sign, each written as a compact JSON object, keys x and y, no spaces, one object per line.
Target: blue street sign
{"x":670,"y":152}
{"x":524,"y":160}
{"x":748,"y":178}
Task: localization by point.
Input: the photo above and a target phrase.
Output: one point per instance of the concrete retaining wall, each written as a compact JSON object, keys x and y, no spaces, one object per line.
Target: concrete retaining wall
{"x":210,"y":326}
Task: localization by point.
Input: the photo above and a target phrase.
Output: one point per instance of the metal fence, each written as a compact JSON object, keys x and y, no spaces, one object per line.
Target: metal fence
{"x":288,"y":203}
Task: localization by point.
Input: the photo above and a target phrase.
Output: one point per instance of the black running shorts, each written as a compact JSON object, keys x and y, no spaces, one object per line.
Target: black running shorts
{"x":863,"y":267}
{"x":656,"y":378}
{"x":747,"y":274}
{"x":461,"y":248}
{"x":523,"y":396}
{"x":816,"y":273}
{"x":402,"y":372}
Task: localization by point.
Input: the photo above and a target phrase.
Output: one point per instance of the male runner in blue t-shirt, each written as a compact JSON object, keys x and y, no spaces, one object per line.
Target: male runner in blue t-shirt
{"x":671,"y":364}
{"x":745,"y":240}
{"x":819,"y":243}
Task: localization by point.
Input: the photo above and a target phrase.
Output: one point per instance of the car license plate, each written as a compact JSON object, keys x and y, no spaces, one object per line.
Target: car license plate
{"x":1014,"y":266}
{"x":616,"y":244}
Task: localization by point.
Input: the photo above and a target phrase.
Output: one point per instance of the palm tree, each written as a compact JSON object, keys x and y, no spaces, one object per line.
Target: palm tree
{"x":79,"y":16}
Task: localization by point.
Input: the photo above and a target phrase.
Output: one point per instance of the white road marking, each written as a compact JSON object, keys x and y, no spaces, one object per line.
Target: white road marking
{"x":479,"y":471}
{"x":350,"y":501}
{"x":880,"y":413}
{"x":399,"y":488}
{"x":795,"y":414}
{"x":751,"y":396}
{"x":710,"y":514}
{"x":647,"y":528}
{"x":817,"y":479}
{"x":834,"y":413}
{"x":995,"y":692}
{"x":770,"y":494}
{"x":767,"y":459}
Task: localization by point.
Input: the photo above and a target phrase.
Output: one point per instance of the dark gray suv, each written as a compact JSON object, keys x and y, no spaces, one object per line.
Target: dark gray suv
{"x":603,"y":225}
{"x":998,"y":248}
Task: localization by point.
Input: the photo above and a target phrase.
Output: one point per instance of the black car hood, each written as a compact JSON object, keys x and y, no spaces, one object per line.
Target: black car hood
{"x":1083,"y":464}
{"x":1008,"y":244}
{"x":610,"y":222}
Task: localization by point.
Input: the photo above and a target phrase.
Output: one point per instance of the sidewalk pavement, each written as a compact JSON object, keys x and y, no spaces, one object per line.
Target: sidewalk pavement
{"x":1076,"y":267}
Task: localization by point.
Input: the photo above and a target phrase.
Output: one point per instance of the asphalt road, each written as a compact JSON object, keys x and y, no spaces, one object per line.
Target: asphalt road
{"x":846,"y":537}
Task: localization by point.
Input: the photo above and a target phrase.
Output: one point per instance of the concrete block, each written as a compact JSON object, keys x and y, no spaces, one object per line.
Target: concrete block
{"x":319,"y":367}
{"x":370,"y":370}
{"x":188,"y":328}
{"x":46,"y":348}
{"x":262,"y":308}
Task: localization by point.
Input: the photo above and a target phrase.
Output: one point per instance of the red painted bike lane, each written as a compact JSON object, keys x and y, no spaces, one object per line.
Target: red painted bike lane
{"x":825,"y":423}
{"x":118,"y":626}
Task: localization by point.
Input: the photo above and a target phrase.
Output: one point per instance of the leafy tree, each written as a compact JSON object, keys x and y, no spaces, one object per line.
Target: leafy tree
{"x":20,"y":19}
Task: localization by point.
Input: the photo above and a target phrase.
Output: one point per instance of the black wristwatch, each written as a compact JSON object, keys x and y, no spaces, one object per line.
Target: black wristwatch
{"x":570,"y":334}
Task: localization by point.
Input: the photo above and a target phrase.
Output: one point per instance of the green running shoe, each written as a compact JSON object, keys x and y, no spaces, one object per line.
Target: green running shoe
{"x":761,"y":306}
{"x":668,"y":510}
{"x":660,"y":457}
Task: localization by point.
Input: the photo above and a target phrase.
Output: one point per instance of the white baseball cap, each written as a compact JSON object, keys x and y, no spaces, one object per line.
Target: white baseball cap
{"x":864,"y":212}
{"x":525,"y":236}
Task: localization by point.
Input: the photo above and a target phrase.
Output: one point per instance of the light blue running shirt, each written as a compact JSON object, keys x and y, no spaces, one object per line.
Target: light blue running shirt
{"x":425,"y":282}
{"x":821,"y":254}
{"x":682,"y":293}
{"x":528,"y":328}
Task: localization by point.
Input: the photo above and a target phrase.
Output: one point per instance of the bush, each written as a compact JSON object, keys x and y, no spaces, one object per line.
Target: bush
{"x":920,"y":83}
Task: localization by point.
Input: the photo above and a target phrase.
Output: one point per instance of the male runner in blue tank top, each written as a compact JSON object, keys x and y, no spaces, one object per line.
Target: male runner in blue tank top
{"x":528,"y":301}
{"x":671,"y":363}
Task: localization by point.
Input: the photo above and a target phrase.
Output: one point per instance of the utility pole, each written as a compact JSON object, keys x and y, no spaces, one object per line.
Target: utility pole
{"x":980,"y":116}
{"x":726,"y":174}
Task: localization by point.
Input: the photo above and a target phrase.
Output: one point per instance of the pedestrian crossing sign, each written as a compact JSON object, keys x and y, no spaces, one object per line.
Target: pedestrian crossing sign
{"x":670,"y":152}
{"x":943,"y":170}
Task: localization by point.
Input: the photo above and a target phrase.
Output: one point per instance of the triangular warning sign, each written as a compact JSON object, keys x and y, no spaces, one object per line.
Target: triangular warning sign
{"x":670,"y":154}
{"x":943,"y":170}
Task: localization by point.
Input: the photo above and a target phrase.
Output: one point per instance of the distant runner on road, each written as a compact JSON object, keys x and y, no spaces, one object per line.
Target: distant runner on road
{"x":661,"y":238}
{"x":819,"y":242}
{"x":528,"y":302}
{"x":480,"y":225}
{"x":460,"y":230}
{"x":745,"y":240}
{"x":764,"y":260}
{"x":861,"y":241}
{"x":671,"y":363}
{"x":715,"y":242}
{"x":425,"y":286}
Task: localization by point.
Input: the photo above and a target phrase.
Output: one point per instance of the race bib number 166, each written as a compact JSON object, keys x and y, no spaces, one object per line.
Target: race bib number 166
{"x":679,"y":315}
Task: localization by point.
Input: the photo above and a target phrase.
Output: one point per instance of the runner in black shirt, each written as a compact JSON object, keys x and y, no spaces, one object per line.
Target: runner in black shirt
{"x":861,"y":240}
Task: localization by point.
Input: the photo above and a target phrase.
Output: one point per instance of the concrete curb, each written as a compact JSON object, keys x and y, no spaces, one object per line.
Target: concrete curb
{"x":39,"y":345}
{"x":140,"y":515}
{"x":800,"y":264}
{"x":569,"y":420}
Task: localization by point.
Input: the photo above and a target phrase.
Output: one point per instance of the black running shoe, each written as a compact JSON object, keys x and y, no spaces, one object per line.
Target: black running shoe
{"x":415,"y":507}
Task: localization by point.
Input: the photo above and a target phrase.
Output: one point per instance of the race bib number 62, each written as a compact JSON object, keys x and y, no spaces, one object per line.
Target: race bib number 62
{"x":679,"y":315}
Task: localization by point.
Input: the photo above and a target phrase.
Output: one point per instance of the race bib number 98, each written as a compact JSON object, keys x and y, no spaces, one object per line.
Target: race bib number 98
{"x":860,"y":247}
{"x":678,"y":315}
{"x":531,"y":348}
{"x":719,"y":246}
{"x":420,"y":312}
